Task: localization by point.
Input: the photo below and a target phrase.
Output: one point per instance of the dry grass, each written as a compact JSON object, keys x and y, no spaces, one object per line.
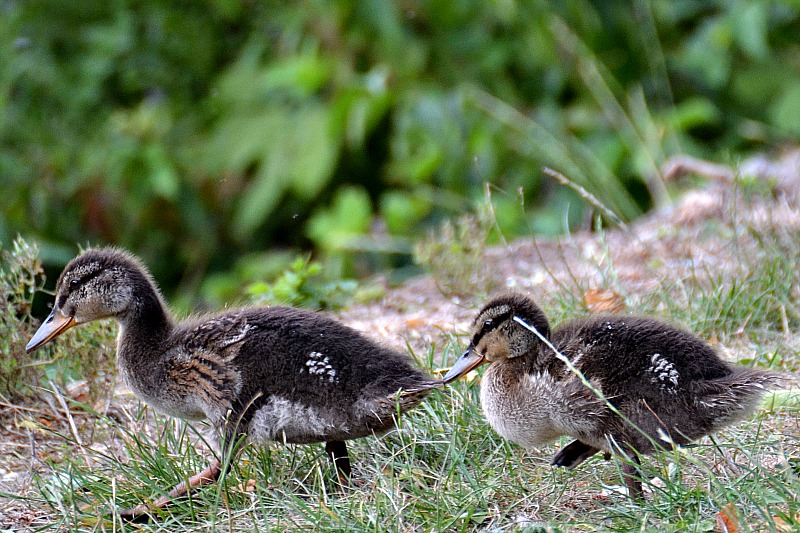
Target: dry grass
{"x":722,"y":263}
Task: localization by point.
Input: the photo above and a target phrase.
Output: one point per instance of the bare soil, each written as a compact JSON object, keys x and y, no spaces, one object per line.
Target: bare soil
{"x":689,"y":238}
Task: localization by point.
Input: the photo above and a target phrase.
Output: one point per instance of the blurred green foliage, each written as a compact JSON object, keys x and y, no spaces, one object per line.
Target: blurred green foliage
{"x":300,"y":286}
{"x":199,"y":134}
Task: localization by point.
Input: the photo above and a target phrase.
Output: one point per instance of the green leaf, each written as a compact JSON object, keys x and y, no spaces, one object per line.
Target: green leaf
{"x":693,"y":112}
{"x":348,"y":216}
{"x":750,"y":28}
{"x":785,"y":113}
{"x":304,"y":74}
{"x":312,"y":148}
{"x":402,"y":210}
{"x":161,"y":175}
{"x":294,"y":152}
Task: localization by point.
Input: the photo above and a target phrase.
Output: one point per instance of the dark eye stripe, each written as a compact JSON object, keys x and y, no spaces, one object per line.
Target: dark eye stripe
{"x":75,"y":283}
{"x":486,"y":329}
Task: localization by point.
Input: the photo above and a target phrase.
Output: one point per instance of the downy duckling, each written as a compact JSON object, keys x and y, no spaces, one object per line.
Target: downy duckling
{"x":270,"y":373}
{"x":666,"y":385}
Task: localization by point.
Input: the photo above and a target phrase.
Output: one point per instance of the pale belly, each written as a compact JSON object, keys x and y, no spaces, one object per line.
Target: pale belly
{"x":285,"y":421}
{"x":523,"y":417}
{"x":535,"y":409}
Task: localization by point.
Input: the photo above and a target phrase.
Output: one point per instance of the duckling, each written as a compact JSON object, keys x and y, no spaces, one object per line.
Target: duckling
{"x":632,"y":385}
{"x":267,"y":373}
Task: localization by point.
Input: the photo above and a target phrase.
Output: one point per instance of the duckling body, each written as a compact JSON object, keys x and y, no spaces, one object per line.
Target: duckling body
{"x":667,"y":385}
{"x":270,"y":373}
{"x":286,"y":374}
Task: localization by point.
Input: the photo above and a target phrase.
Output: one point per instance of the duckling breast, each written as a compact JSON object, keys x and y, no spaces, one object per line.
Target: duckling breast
{"x":188,"y":389}
{"x":520,"y":408}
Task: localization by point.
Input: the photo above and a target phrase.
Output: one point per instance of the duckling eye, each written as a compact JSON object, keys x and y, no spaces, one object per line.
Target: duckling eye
{"x":489,"y":323}
{"x":73,"y":283}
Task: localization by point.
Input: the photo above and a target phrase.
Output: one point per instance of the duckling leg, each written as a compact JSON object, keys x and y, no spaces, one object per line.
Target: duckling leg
{"x":632,"y":473}
{"x":140,"y":512}
{"x":573,"y":454}
{"x":337,"y":450}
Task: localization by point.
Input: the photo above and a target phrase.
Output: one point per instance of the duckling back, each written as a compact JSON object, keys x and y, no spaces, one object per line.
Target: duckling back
{"x":666,"y":382}
{"x":308,"y":378}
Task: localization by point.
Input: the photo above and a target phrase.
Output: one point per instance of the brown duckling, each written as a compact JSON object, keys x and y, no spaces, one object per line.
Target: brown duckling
{"x":665,"y":385}
{"x":270,"y":373}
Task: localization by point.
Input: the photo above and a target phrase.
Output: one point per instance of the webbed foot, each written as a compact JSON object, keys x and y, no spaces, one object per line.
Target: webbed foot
{"x":142,"y":513}
{"x":573,"y":454}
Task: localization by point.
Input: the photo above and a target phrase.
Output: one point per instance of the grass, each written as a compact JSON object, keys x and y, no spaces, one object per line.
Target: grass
{"x":444,"y":469}
{"x":454,"y":255}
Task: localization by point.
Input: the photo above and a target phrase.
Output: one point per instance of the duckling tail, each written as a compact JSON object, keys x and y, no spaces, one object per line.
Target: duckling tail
{"x":734,"y":397}
{"x":407,"y":398}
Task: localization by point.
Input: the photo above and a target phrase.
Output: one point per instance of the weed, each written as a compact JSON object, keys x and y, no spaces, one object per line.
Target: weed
{"x":753,"y":297}
{"x":302,"y":285}
{"x":21,"y":275}
{"x":454,"y":256}
{"x":85,"y":357}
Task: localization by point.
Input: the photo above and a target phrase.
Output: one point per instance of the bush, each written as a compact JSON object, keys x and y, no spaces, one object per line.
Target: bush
{"x":195,"y":132}
{"x":21,"y":276}
{"x":86,"y":352}
{"x":301,"y":286}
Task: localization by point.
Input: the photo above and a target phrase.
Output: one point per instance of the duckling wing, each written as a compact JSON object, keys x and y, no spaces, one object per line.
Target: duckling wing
{"x":198,"y":366}
{"x":222,"y":334}
{"x":583,"y":408}
{"x":204,"y":384}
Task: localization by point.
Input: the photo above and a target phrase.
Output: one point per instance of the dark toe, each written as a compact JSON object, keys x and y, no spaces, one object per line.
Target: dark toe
{"x":573,"y":454}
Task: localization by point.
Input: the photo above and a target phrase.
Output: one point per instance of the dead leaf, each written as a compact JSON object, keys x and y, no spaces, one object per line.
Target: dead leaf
{"x":727,"y":520}
{"x":783,"y":526}
{"x":248,"y":486}
{"x":78,"y":391}
{"x":415,"y":323}
{"x":603,"y":301}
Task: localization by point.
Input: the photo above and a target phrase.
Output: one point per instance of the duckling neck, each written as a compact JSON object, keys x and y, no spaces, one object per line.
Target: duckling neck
{"x":144,"y":330}
{"x":509,"y":371}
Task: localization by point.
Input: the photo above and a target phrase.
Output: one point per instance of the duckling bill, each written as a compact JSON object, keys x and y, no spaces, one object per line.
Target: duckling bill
{"x":640,"y":384}
{"x":267,"y":373}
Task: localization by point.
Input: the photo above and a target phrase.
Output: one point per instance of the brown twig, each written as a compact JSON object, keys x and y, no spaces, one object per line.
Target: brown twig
{"x":72,"y":426}
{"x":586,"y":195}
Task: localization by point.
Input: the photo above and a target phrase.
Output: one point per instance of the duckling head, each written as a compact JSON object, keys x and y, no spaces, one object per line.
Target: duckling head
{"x":99,"y":283}
{"x":499,"y":333}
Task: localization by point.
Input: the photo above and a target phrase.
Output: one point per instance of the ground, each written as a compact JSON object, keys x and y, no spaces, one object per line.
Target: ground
{"x":703,"y":262}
